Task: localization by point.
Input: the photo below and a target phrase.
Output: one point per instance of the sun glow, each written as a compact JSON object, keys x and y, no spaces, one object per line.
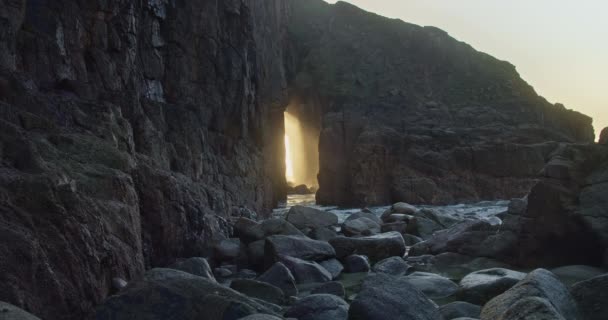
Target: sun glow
{"x":288,"y":161}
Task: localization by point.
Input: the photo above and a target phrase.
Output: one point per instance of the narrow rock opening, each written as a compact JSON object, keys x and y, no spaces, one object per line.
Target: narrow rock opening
{"x":301,"y":149}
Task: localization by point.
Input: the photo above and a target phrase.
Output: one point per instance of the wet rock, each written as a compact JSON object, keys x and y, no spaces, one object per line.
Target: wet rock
{"x":267,"y":228}
{"x":11,"y":312}
{"x":196,"y":266}
{"x":591,"y":296}
{"x":453,"y":265}
{"x":260,"y":290}
{"x":306,"y":271}
{"x":551,"y":297}
{"x":400,"y":227}
{"x":188,"y":297}
{"x":481,"y":286}
{"x":323,"y":234}
{"x":386,"y":297}
{"x":281,"y":277}
{"x":376,"y":248}
{"x":307,"y":217}
{"x":356,"y":263}
{"x":460,"y":309}
{"x":298,"y":247}
{"x":364,"y":214}
{"x":423,"y":227}
{"x":360,"y":227}
{"x":334,"y":267}
{"x":394,"y":266}
{"x":334,"y":287}
{"x":432,"y":285}
{"x":403,"y":208}
{"x":319,"y":307}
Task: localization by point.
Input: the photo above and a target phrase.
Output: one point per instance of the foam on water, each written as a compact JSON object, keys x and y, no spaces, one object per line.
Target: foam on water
{"x":485,"y":210}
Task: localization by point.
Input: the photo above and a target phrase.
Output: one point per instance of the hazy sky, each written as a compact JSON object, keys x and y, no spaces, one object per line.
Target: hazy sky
{"x":560,"y":47}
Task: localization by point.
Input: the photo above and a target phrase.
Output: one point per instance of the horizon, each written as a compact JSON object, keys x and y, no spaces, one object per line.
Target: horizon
{"x":568,"y":72}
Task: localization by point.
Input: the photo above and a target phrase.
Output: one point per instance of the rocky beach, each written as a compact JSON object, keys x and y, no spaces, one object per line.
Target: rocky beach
{"x":143,"y":170}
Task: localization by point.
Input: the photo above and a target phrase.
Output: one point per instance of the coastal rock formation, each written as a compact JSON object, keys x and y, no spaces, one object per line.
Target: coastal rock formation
{"x":410,"y":114}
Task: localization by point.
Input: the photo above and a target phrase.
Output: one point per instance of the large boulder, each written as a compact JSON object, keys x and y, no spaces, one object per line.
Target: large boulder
{"x":11,"y":312}
{"x":533,"y":308}
{"x":432,"y":285}
{"x":249,"y":232}
{"x":460,"y":309}
{"x":319,"y":307}
{"x":178,"y":298}
{"x":356,"y":263}
{"x":334,"y":266}
{"x":386,"y":297}
{"x":549,"y":294}
{"x":364,"y":214}
{"x":592,"y":297}
{"x":603,"y":140}
{"x":423,"y":227}
{"x":481,"y":286}
{"x":334,"y":287}
{"x":360,"y":227}
{"x":281,"y":277}
{"x":376,"y":248}
{"x":196,"y":266}
{"x":570,"y":275}
{"x":307,"y":217}
{"x":297,"y":247}
{"x":403,"y":208}
{"x":259,"y":289}
{"x":306,"y":271}
{"x":453,"y":265}
{"x":394,"y":266}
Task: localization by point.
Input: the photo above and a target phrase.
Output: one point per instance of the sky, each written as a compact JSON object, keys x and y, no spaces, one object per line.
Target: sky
{"x":559,"y":47}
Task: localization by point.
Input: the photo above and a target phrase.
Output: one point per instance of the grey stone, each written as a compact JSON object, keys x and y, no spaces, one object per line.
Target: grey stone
{"x":307,"y":217}
{"x":334,"y":287}
{"x":260,"y":290}
{"x":356,"y":263}
{"x":481,"y":286}
{"x":591,"y":296}
{"x":432,"y":285}
{"x":306,"y":271}
{"x":297,"y":247}
{"x":281,"y":277}
{"x":394,"y":266}
{"x":459,"y":309}
{"x":11,"y":312}
{"x":363,"y":214}
{"x":334,"y":267}
{"x":360,"y":227}
{"x":376,"y":248}
{"x":196,"y":266}
{"x":319,"y":307}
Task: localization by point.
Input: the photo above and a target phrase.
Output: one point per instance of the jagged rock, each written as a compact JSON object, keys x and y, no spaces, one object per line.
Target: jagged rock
{"x":10,"y":312}
{"x":376,"y":248}
{"x":591,"y":296}
{"x":319,"y":307}
{"x":432,"y":285}
{"x":307,"y":217}
{"x":188,"y":297}
{"x":481,"y":286}
{"x":364,"y":214}
{"x":360,"y":227}
{"x":386,"y":297}
{"x":196,"y":266}
{"x":298,"y":247}
{"x":334,"y":287}
{"x":260,"y":290}
{"x":459,"y":309}
{"x":306,"y":271}
{"x":281,"y":277}
{"x":334,"y":267}
{"x":394,"y":266}
{"x":550,"y":298}
{"x":356,"y":263}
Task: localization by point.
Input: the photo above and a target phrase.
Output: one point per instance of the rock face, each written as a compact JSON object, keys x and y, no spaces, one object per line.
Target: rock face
{"x":422,"y":118}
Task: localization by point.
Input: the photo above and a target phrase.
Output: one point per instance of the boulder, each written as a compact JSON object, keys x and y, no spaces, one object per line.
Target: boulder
{"x":260,"y":290}
{"x":603,"y":140}
{"x":432,"y":285}
{"x":360,"y":227}
{"x":481,"y":286}
{"x":306,"y":217}
{"x":323,"y":234}
{"x":364,"y":214}
{"x":400,"y":227}
{"x":252,"y":232}
{"x":460,"y":309}
{"x":376,"y":248}
{"x":540,"y":284}
{"x":570,"y":275}
{"x":532,"y":308}
{"x":394,"y":266}
{"x":319,"y":307}
{"x":196,"y":266}
{"x":411,"y":240}
{"x":386,"y":297}
{"x":592,"y":297}
{"x":11,"y":312}
{"x":404,"y":208}
{"x":334,"y":267}
{"x":306,"y":271}
{"x":281,"y":277}
{"x":452,"y":265}
{"x":184,"y":298}
{"x":297,"y":247}
{"x":397,"y":217}
{"x":334,"y":287}
{"x":162,"y":274}
{"x":356,"y":263}
{"x":423,"y":227}
{"x":227,"y":250}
